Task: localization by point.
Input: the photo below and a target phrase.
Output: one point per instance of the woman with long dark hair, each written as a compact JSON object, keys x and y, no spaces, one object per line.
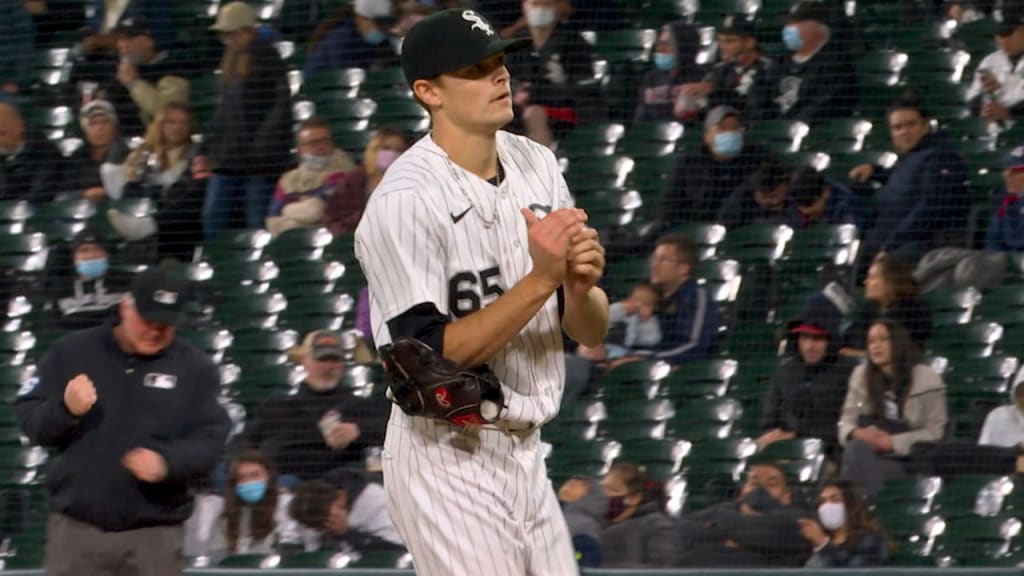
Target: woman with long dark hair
{"x":845,"y":533}
{"x":252,"y":515}
{"x":640,"y":533}
{"x":893,"y":402}
{"x":890,"y":291}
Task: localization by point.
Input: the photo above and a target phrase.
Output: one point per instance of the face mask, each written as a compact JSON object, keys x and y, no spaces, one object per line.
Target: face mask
{"x":761,"y":500}
{"x":616,"y":506}
{"x":374,"y":37}
{"x":251,"y":492}
{"x":832,"y":515}
{"x":728,"y":144}
{"x":92,"y":269}
{"x":540,"y":17}
{"x":314,"y":162}
{"x":386,"y":158}
{"x":664,"y":61}
{"x":791,"y":38}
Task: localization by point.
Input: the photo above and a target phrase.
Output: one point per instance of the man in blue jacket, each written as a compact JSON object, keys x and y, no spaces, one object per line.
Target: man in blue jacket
{"x":688,"y":314}
{"x":132,"y":415}
{"x":923,"y":196}
{"x":817,"y":200}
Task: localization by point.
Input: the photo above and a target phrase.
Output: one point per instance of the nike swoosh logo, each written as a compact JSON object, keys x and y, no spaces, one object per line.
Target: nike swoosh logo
{"x":457,"y":217}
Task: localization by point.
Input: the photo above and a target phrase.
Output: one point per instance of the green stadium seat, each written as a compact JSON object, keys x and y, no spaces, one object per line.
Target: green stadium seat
{"x":712,"y":12}
{"x":977,"y":37}
{"x":638,"y":410}
{"x":800,"y":458}
{"x":588,"y":173}
{"x":645,"y":139}
{"x":839,"y":135}
{"x":334,"y":84}
{"x":915,"y":539}
{"x":353,"y":141}
{"x":301,"y":279}
{"x":630,"y":45}
{"x":621,"y":430}
{"x":627,"y":274}
{"x":16,"y":347}
{"x":661,"y":458}
{"x":404,"y":114}
{"x":701,"y":419}
{"x":952,"y":306}
{"x":812,"y":249}
{"x":945,"y":66}
{"x":912,"y":496}
{"x":347,"y":114}
{"x":756,"y":243}
{"x":328,"y":311}
{"x":975,"y":129}
{"x":881,"y":67}
{"x":722,"y":278}
{"x":971,"y":495}
{"x":384,"y":83}
{"x":239,"y":241}
{"x":706,"y":236}
{"x":15,"y":212}
{"x":62,"y":219}
{"x":212,"y":341}
{"x":265,"y":341}
{"x":973,"y":340}
{"x":364,"y":380}
{"x":1004,"y":304}
{"x":254,"y":312}
{"x":342,"y":248}
{"x":783,"y":136}
{"x":699,"y":379}
{"x":299,"y":244}
{"x":980,"y":541}
{"x":597,"y":139}
{"x":587,"y":457}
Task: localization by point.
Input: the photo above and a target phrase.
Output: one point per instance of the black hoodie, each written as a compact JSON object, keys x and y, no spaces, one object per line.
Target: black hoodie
{"x":657,"y":95}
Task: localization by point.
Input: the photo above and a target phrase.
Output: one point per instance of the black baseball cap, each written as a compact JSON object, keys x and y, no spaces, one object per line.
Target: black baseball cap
{"x":738,"y":25}
{"x":160,"y":295}
{"x":809,"y":10}
{"x":133,"y":27}
{"x":450,"y":40}
{"x":88,"y":236}
{"x":1012,"y":18}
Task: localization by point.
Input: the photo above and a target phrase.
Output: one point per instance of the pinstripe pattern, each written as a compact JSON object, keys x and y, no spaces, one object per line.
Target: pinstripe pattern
{"x":478,"y":501}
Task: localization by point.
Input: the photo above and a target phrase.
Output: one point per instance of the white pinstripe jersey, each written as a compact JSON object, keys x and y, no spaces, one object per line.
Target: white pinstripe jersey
{"x":433,"y":232}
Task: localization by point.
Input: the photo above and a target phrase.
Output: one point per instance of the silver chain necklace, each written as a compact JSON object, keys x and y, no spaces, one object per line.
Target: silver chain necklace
{"x":457,"y":176}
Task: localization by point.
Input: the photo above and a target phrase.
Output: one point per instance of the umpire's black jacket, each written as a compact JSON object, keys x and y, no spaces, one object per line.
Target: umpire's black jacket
{"x":167,"y":403}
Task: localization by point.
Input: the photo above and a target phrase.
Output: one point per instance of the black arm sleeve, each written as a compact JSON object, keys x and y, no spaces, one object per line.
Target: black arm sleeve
{"x":423,"y":322}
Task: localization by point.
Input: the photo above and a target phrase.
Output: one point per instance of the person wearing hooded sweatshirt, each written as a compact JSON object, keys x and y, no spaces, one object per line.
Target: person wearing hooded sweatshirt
{"x":923,"y":197}
{"x":585,"y":507}
{"x":675,"y":65}
{"x":704,"y":179}
{"x":321,"y":427}
{"x":808,"y":388}
{"x":640,"y":534}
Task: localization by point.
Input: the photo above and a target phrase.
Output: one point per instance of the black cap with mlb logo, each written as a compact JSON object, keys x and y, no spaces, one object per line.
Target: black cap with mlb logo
{"x":160,"y":295}
{"x":451,"y":40}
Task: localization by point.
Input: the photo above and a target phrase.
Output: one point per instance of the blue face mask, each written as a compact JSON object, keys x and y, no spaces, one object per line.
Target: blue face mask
{"x":251,"y":492}
{"x":728,"y":144}
{"x":92,"y":269}
{"x":664,"y":61}
{"x":791,"y":38}
{"x":375,"y":37}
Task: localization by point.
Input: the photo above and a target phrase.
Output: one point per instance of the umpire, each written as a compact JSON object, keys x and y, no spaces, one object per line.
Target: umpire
{"x":132,"y":414}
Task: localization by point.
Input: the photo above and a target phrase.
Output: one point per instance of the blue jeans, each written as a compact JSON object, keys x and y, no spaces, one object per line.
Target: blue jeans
{"x":224,"y":192}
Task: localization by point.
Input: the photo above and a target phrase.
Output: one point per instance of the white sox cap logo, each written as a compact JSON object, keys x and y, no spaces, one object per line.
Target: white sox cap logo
{"x":478,"y":22}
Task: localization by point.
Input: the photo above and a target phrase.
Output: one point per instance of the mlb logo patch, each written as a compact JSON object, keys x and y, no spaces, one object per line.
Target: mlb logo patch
{"x":160,"y":381}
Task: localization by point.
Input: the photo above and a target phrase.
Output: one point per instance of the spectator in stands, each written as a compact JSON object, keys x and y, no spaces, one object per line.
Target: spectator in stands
{"x":18,"y":57}
{"x":997,"y":90}
{"x":817,"y":81}
{"x":808,"y":388}
{"x":546,"y":80}
{"x":640,"y":535}
{"x":923,"y":195}
{"x":687,"y":313}
{"x":585,"y":506}
{"x":247,"y":141}
{"x":1004,"y":426}
{"x":250,"y":518}
{"x":323,"y":425}
{"x":346,"y":512}
{"x":821,"y":201}
{"x":90,"y":295}
{"x":302,"y":193}
{"x":889,"y":292}
{"x":845,"y":534}
{"x":107,"y":15}
{"x":355,"y":36}
{"x":346,"y":203}
{"x":92,"y":168}
{"x":163,"y":169}
{"x":894,"y":401}
{"x":758,"y":530}
{"x":146,"y":79}
{"x":763,"y":199}
{"x":740,"y":78}
{"x":30,"y":166}
{"x":702,"y":180}
{"x":632,"y":327}
{"x":54,"y":16}
{"x":1006,"y":227}
{"x":675,"y":66}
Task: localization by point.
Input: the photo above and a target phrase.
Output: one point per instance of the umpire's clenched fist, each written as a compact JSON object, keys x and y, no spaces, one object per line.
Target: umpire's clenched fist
{"x":79,"y":395}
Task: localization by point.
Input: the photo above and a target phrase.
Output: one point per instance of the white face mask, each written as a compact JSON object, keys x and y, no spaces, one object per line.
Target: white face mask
{"x":540,"y":17}
{"x":314,"y":162}
{"x":832,"y":515}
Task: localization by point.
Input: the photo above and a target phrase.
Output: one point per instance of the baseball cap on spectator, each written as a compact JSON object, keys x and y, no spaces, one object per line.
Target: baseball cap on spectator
{"x":719,"y":113}
{"x":159,"y":295}
{"x":451,"y":40}
{"x":1013,"y":17}
{"x":373,"y":9}
{"x":88,"y":236}
{"x":235,"y":16}
{"x":808,"y":10}
{"x":324,"y":344}
{"x":738,"y":25}
{"x":1015,"y":160}
{"x":94,"y":109}
{"x":133,"y":27}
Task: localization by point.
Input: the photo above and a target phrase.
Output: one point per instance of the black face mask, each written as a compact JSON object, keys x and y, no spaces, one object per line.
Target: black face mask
{"x":616,"y":506}
{"x":760,"y":500}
